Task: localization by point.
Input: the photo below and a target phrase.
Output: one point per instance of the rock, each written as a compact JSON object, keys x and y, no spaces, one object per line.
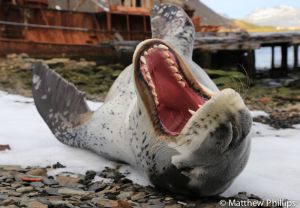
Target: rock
{"x":37,"y":184}
{"x":13,"y":193}
{"x":4,"y":147}
{"x":9,"y":201}
{"x":36,"y":204}
{"x":52,"y":191}
{"x":97,"y":186}
{"x":90,"y":175}
{"x":49,"y":181}
{"x":67,"y":180}
{"x":125,"y":195}
{"x":70,"y":192}
{"x":173,"y":206}
{"x":60,"y":203}
{"x":105,"y":202}
{"x":11,"y":168}
{"x":24,"y":189}
{"x":58,"y":165}
{"x":123,"y":204}
{"x":9,"y":206}
{"x":3,"y":197}
{"x":137,"y":196}
{"x":37,"y":172}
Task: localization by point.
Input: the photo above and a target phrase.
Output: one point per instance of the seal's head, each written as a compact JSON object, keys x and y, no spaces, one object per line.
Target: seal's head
{"x":200,"y":132}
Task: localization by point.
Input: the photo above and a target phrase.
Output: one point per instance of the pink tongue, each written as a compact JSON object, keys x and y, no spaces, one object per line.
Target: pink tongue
{"x":174,"y":100}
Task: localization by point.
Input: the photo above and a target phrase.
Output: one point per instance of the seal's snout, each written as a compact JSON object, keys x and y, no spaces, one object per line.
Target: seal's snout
{"x":214,"y":146}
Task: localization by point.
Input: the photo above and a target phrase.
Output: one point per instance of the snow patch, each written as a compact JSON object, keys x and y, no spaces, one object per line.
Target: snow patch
{"x":272,"y":171}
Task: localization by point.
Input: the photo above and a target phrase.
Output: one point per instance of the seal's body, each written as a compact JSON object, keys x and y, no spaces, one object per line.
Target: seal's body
{"x":162,"y":115}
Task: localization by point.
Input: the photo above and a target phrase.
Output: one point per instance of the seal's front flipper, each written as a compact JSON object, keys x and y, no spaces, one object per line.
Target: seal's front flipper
{"x":61,"y":105}
{"x":171,"y":23}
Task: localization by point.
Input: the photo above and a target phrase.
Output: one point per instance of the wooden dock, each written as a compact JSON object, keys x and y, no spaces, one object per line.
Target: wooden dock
{"x":224,"y":50}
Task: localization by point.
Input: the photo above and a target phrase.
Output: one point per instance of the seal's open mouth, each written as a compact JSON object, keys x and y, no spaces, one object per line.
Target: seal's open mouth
{"x":175,"y":93}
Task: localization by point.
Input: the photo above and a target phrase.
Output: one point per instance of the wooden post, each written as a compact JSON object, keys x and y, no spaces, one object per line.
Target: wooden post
{"x":108,"y":21}
{"x":128,"y":27}
{"x":273,"y":58}
{"x":284,"y":58}
{"x":250,"y":63}
{"x":296,"y":61}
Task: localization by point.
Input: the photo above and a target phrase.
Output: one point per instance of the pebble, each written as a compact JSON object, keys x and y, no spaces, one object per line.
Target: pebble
{"x":79,"y":191}
{"x":24,"y":189}
{"x":68,"y":191}
{"x":37,"y":172}
{"x":67,"y":181}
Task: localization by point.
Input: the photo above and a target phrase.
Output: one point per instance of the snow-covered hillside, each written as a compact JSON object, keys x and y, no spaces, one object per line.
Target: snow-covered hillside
{"x":280,"y":16}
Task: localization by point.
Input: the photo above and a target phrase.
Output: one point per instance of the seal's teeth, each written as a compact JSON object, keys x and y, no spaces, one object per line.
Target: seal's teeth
{"x":178,"y":76}
{"x":156,"y":101}
{"x":161,"y":46}
{"x":192,"y":112}
{"x":170,"y":61}
{"x":199,"y":106}
{"x":148,"y":77}
{"x":166,"y":54}
{"x":146,"y":70}
{"x":174,"y":69}
{"x":145,"y":53}
{"x":143,"y":60}
{"x":154,"y":93}
{"x":151,"y":84}
{"x":182,"y":84}
{"x":155,"y":46}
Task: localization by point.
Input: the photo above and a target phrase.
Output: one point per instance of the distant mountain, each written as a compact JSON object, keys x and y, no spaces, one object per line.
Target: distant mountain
{"x":249,"y":27}
{"x":280,"y":16}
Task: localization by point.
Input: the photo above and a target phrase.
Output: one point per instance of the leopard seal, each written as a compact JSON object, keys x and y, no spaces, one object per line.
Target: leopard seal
{"x":163,"y":115}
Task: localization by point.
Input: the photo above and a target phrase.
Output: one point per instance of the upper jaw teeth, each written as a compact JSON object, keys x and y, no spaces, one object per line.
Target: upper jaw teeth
{"x":172,"y":66}
{"x":161,"y":46}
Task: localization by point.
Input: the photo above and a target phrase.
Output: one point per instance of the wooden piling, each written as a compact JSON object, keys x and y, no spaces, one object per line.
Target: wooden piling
{"x":296,"y":61}
{"x":273,"y":58}
{"x":250,"y":63}
{"x":284,"y":58}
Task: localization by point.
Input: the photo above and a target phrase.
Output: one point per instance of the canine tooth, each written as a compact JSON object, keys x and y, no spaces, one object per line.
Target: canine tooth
{"x":192,"y":112}
{"x":145,"y":53}
{"x":155,"y":46}
{"x":161,"y":46}
{"x":178,"y":76}
{"x":182,"y":84}
{"x":143,"y":59}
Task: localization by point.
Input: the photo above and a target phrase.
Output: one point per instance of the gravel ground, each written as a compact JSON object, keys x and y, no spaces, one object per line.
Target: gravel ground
{"x":32,"y":187}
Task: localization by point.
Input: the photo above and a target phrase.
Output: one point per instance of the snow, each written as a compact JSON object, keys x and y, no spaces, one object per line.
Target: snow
{"x":272,"y":172}
{"x":279,"y":16}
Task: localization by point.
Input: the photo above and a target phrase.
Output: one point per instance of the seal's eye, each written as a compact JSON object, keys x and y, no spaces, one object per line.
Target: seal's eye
{"x":175,"y":100}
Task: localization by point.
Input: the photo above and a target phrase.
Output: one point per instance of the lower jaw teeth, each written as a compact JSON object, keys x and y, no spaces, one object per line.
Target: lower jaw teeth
{"x":192,"y":112}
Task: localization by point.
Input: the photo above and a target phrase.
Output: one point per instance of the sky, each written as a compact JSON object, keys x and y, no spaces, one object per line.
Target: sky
{"x":240,"y":8}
